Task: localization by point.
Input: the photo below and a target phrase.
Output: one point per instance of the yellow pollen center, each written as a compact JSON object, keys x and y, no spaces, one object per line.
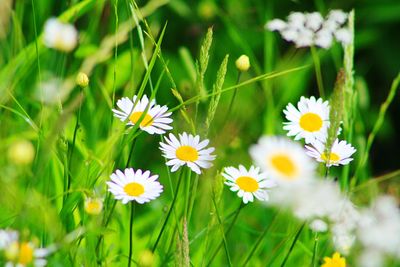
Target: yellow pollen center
{"x":25,"y":253}
{"x":284,"y":165}
{"x":146,"y":121}
{"x":93,"y":206}
{"x":187,"y":153}
{"x":134,"y":189}
{"x":333,"y":158}
{"x":247,"y":184}
{"x":311,"y":122}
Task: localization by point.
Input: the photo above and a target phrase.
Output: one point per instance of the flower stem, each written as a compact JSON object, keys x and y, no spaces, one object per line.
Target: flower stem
{"x":316,"y":239}
{"x":226,"y":233}
{"x":131,"y":233}
{"x":168,"y":214}
{"x":318,"y":74}
{"x":292,"y":245}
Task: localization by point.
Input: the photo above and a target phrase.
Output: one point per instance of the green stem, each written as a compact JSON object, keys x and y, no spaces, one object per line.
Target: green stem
{"x":258,"y":242}
{"x":226,"y":233}
{"x":222,"y":232}
{"x":168,"y":214}
{"x":318,"y":73}
{"x":292,"y":245}
{"x":316,"y":239}
{"x":187,"y":192}
{"x":131,"y":233}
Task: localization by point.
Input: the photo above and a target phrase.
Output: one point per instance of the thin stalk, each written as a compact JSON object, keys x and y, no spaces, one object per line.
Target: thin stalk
{"x":187,"y":192}
{"x":226,"y":233}
{"x":233,"y":98}
{"x":316,"y":239}
{"x":131,"y":233}
{"x":318,"y":73}
{"x":223,"y":233}
{"x":292,"y":245}
{"x":258,"y":242}
{"x":168,"y":214}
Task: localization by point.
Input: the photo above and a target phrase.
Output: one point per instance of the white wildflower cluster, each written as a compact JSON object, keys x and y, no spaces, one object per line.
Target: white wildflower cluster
{"x":311,"y":29}
{"x":379,"y":232}
{"x":60,"y":36}
{"x":17,"y":252}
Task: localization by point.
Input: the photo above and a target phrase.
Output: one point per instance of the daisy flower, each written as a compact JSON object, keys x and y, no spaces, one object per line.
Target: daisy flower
{"x":156,"y":120}
{"x":187,"y":150}
{"x":340,"y":153}
{"x":248,"y":183}
{"x":60,"y":36}
{"x":282,"y":159}
{"x":136,"y":186}
{"x":310,"y":121}
{"x":25,"y":253}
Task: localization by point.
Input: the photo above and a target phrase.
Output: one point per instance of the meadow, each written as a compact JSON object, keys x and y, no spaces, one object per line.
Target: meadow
{"x":199,"y":133}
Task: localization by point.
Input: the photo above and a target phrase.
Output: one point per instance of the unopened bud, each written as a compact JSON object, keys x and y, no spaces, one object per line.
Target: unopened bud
{"x":21,"y":152}
{"x":243,"y":63}
{"x":82,"y":80}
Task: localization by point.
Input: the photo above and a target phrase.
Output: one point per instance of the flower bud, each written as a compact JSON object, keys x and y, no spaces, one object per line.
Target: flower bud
{"x":93,"y":206}
{"x":82,"y":80}
{"x":21,"y":152}
{"x":243,"y":63}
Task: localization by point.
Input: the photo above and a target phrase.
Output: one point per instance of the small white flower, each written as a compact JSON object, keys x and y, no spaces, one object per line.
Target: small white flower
{"x":290,"y":35}
{"x":60,"y":36}
{"x":248,"y":183}
{"x":341,"y":153}
{"x":324,"y":39}
{"x":20,"y":254}
{"x":155,"y":121}
{"x":7,"y":237}
{"x":314,"y":21}
{"x":136,"y":186}
{"x":282,"y":159}
{"x":93,"y":206}
{"x":310,"y":121}
{"x":305,"y":38}
{"x":337,"y":16}
{"x":344,"y":242}
{"x":318,"y":225}
{"x":297,"y":20}
{"x":276,"y":25}
{"x":188,"y":150}
{"x":343,"y":35}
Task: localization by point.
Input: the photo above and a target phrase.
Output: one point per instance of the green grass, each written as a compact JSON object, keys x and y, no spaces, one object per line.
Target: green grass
{"x":182,"y":54}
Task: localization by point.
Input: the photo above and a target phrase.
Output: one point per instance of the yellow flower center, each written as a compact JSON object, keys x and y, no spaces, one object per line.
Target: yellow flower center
{"x":285,"y":165}
{"x":187,"y":153}
{"x":333,"y":158}
{"x":335,"y":261}
{"x":134,"y":189}
{"x":146,"y":121}
{"x":247,"y":184}
{"x":25,"y":253}
{"x":311,"y":122}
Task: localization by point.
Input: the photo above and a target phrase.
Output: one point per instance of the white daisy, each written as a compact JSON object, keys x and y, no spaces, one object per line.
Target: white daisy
{"x":20,"y":254}
{"x":155,"y":121}
{"x":187,"y":150}
{"x":340,"y":153}
{"x":134,"y":186}
{"x":282,"y":159}
{"x":60,"y":36}
{"x":248,"y":184}
{"x":310,"y":121}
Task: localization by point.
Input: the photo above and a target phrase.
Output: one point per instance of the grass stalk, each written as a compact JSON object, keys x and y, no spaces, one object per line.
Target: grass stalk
{"x":318,"y":73}
{"x":131,"y":233}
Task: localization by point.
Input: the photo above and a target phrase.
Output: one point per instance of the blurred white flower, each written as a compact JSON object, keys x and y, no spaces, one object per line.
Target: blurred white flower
{"x":7,"y":237}
{"x":379,"y":227}
{"x":309,"y":29}
{"x":283,"y":160}
{"x":318,"y":225}
{"x":344,"y":242}
{"x":60,"y":36}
